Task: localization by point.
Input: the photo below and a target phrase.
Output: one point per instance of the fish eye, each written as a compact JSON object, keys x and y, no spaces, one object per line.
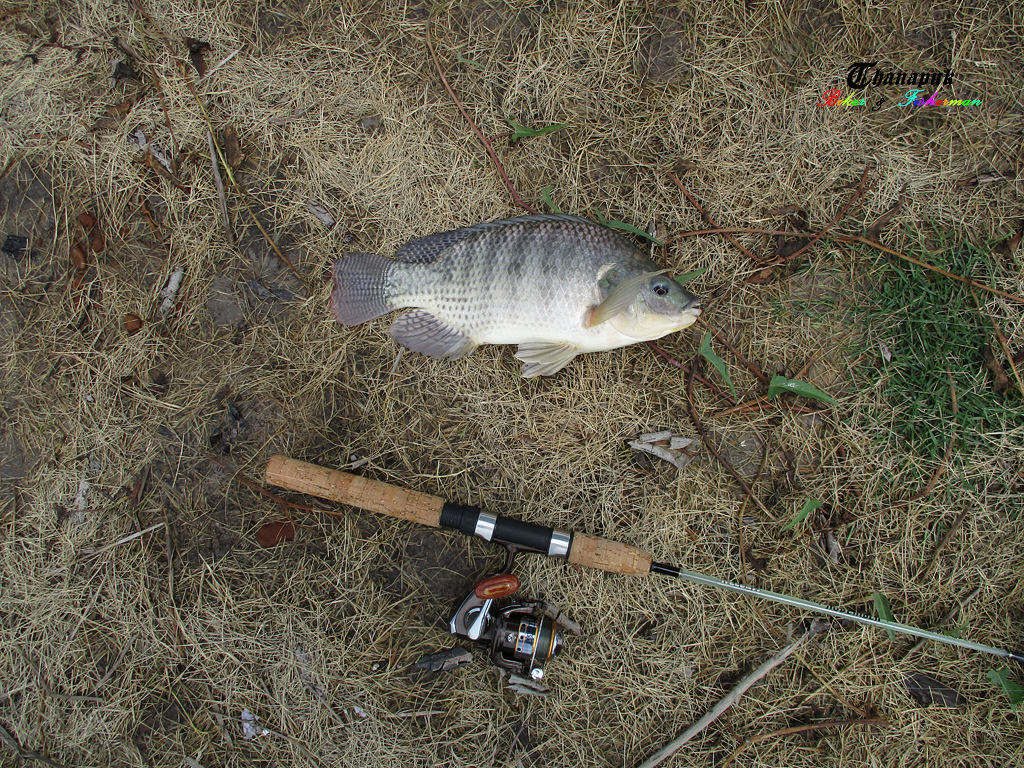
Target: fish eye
{"x":660,"y":288}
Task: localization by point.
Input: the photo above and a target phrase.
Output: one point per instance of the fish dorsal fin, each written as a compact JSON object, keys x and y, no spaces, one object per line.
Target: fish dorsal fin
{"x":421,"y":332}
{"x":544,"y":358}
{"x":619,"y":299}
{"x":424,"y":250}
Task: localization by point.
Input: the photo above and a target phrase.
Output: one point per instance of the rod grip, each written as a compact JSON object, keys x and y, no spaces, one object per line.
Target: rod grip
{"x":371,"y":495}
{"x":606,"y":555}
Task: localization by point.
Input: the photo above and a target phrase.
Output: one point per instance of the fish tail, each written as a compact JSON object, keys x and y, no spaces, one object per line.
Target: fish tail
{"x":361,"y":288}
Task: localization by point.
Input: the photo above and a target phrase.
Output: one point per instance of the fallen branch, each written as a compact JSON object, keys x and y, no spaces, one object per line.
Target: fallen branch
{"x":731,"y":698}
{"x":479,"y":134}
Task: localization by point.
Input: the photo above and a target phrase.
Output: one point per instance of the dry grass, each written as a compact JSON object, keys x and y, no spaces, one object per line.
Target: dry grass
{"x":146,"y":653}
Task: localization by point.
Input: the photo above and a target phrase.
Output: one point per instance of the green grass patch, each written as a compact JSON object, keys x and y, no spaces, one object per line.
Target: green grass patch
{"x":925,"y":336}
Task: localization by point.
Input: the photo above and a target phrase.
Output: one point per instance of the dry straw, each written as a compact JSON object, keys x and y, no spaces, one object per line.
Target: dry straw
{"x":138,"y":615}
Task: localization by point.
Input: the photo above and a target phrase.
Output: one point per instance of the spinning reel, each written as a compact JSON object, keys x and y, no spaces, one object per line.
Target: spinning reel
{"x":521,"y":635}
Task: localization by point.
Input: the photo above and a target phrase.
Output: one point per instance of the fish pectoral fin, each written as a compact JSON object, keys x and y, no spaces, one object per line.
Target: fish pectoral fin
{"x":619,"y":299}
{"x":421,"y":332}
{"x":545,"y":358}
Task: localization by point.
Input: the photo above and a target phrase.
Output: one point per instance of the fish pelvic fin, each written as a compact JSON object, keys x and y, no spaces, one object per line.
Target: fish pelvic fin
{"x":545,"y":358}
{"x":619,"y":300}
{"x":360,"y":288}
{"x":420,"y":331}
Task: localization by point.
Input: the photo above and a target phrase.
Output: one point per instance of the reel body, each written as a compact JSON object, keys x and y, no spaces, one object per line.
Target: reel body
{"x":521,"y":636}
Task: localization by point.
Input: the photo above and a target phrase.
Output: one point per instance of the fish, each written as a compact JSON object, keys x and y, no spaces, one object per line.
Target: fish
{"x":557,"y":286}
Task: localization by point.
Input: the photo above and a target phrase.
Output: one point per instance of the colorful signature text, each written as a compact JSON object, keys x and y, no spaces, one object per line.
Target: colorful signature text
{"x":834,"y":98}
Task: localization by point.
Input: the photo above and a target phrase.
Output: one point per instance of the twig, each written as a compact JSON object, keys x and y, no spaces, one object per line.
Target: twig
{"x":912,"y":260}
{"x":479,"y":134}
{"x":220,"y":189}
{"x":706,"y":218}
{"x":942,"y":544}
{"x":731,"y":698}
{"x":705,"y":441}
{"x":219,"y":64}
{"x":799,"y":729}
{"x":167,"y":118}
{"x":849,"y":203}
{"x":1006,"y":351}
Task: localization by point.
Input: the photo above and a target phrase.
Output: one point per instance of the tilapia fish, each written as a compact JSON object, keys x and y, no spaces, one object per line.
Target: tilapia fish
{"x":557,"y":286}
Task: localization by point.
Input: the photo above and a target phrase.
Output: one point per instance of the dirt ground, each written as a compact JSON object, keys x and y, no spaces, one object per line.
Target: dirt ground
{"x":141,"y":619}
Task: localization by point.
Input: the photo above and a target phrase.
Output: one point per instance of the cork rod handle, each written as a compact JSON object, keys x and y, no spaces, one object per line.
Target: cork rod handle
{"x":606,"y":555}
{"x":371,"y":495}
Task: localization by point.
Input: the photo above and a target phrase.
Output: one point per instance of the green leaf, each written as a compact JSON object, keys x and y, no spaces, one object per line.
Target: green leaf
{"x":463,"y":60}
{"x":780,"y":384}
{"x":684,"y":279}
{"x":709,"y":354}
{"x":884,"y":611}
{"x":809,"y":506}
{"x":616,"y":224}
{"x":522,"y":132}
{"x":545,"y":195}
{"x":956,"y":631}
{"x":1014,"y":692}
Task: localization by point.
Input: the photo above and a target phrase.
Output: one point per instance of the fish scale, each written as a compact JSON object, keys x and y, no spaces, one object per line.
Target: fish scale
{"x":555,"y":285}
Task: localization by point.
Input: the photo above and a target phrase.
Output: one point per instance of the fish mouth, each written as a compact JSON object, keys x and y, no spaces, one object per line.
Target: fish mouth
{"x":689,"y":316}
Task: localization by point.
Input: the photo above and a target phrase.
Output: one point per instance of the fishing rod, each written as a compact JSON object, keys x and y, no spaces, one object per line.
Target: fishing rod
{"x":578,"y":548}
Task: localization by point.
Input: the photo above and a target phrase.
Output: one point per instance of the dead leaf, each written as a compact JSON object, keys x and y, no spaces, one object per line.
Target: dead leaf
{"x":1008,"y":247}
{"x":987,"y":178}
{"x":120,"y":70}
{"x":113,"y":115}
{"x":195,"y":53}
{"x":758,"y":564}
{"x":678,"y":451}
{"x":783,"y":211}
{"x":930,"y":691}
{"x":873,"y":232}
{"x":831,"y":546}
{"x":272,"y":534}
{"x":1000,"y":381}
{"x":321,"y":213}
{"x":683,"y":166}
{"x":231,"y":148}
{"x":787,"y":248}
{"x":445,"y":661}
{"x":761,"y":276}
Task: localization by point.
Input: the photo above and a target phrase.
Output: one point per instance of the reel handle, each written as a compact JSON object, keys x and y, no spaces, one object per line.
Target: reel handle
{"x":435,"y":512}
